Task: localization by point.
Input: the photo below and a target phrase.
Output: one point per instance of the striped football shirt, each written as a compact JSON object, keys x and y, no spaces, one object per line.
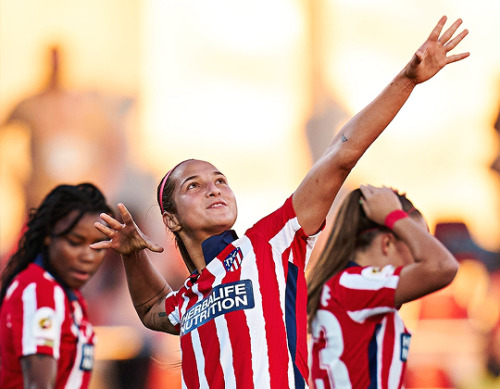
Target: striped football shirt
{"x":242,"y":321}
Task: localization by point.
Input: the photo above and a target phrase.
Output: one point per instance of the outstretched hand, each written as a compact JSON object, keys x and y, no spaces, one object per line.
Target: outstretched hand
{"x":378,"y":202}
{"x":126,"y":238}
{"x":432,"y":56}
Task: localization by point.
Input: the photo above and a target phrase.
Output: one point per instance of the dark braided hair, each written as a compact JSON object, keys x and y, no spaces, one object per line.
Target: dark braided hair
{"x":63,"y":199}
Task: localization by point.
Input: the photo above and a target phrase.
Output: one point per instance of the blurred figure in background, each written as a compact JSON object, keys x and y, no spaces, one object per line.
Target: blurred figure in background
{"x":46,"y":339}
{"x":72,"y":135}
{"x":379,"y":256}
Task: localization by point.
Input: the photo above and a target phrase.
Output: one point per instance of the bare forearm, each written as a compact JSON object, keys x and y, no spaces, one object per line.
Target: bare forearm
{"x":362,"y":130}
{"x":314,"y":197}
{"x":427,"y":251}
{"x":146,"y":285}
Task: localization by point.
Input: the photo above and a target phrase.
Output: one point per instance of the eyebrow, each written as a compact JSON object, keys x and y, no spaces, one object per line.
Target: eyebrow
{"x":75,"y":235}
{"x":216,"y":173}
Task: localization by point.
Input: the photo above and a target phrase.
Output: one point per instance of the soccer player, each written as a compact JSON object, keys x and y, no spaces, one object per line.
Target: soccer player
{"x":46,"y":340}
{"x":241,"y":314}
{"x":379,"y":255}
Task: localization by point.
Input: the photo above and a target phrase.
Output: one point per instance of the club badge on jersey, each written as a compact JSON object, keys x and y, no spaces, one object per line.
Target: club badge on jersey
{"x":233,"y":260}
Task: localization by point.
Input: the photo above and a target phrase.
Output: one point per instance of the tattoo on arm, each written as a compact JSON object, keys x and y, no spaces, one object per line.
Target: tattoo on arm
{"x":147,"y":304}
{"x":344,"y":139}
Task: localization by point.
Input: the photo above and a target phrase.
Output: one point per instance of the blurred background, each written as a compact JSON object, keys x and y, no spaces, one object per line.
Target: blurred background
{"x":117,"y":92}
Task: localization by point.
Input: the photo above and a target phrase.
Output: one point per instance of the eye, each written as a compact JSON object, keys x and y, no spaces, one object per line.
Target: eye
{"x":221,"y":180}
{"x":73,"y":242}
{"x":192,"y":185}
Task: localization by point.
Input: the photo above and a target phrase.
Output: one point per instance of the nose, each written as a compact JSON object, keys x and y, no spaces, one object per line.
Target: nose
{"x":89,"y":254}
{"x":213,"y":190}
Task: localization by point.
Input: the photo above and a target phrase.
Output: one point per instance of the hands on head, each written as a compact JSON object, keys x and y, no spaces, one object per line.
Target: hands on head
{"x":379,"y":202}
{"x":125,"y":238}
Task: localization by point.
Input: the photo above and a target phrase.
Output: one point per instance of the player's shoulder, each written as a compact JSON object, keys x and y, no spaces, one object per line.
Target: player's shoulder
{"x":33,"y":276}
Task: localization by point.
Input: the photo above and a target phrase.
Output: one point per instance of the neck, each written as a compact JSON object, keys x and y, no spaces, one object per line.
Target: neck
{"x":193,"y":244}
{"x":373,"y":255}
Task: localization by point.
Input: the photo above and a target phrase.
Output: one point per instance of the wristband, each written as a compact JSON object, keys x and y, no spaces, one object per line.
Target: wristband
{"x":393,"y":217}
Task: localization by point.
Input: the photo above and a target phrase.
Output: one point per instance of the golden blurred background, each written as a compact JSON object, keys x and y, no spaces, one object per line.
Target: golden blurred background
{"x":118,"y":92}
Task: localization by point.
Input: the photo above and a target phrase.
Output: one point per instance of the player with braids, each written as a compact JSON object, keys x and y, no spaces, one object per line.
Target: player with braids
{"x":242,"y":314}
{"x":46,"y":340}
{"x":379,"y":255}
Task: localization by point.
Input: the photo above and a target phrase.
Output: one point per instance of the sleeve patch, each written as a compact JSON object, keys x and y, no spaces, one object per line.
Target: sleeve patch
{"x":45,"y":327}
{"x":376,"y":273}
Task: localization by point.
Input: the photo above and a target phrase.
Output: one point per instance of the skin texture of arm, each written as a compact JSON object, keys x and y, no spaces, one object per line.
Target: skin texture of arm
{"x":434,"y":266}
{"x":314,"y":196}
{"x":39,"y":371}
{"x":146,"y":285}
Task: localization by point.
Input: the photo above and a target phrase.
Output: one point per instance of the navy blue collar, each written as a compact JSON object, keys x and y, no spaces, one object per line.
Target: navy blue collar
{"x":215,"y":244}
{"x":351,"y":264}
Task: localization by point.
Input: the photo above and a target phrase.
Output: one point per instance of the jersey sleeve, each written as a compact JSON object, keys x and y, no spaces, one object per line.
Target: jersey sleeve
{"x":37,"y":314}
{"x":172,"y":310}
{"x":365,"y":291}
{"x":281,"y":229}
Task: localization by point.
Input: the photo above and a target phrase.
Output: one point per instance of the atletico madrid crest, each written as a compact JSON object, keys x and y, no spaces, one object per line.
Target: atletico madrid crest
{"x":233,"y":260}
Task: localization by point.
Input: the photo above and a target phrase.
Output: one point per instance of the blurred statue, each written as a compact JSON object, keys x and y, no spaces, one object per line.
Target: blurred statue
{"x":75,"y":136}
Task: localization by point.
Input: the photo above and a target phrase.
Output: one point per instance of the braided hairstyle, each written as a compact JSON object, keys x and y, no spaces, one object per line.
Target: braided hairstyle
{"x":63,"y":199}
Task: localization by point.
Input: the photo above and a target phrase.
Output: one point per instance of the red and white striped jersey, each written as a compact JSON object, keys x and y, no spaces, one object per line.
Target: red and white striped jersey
{"x":38,"y":317}
{"x":358,"y":338}
{"x":242,"y":321}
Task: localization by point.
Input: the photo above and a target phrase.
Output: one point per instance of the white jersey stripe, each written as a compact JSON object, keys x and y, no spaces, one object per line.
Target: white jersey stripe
{"x":60,"y":304}
{"x":76,"y":374}
{"x":280,"y":243}
{"x":197,"y":347}
{"x":226,"y":351}
{"x":200,"y":361}
{"x":29,"y":308}
{"x":360,"y":282}
{"x":397,"y":364}
{"x":380,"y":351}
{"x":258,"y":341}
{"x":363,"y":314}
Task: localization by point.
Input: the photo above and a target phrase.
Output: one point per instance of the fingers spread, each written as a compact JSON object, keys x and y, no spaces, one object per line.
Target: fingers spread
{"x":437,"y":30}
{"x":450,"y":31}
{"x":112,"y":222}
{"x":104,"y":229}
{"x":455,"y":41}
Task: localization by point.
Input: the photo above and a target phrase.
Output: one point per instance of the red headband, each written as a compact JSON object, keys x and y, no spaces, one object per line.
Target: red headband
{"x":162,"y":186}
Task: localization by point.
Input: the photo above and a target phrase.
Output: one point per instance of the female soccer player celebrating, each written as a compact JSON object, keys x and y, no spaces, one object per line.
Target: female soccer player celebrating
{"x":241,"y":315}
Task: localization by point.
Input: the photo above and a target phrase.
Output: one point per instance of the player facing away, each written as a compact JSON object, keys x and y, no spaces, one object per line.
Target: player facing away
{"x":46,"y":339}
{"x":241,"y":314}
{"x":379,"y":255}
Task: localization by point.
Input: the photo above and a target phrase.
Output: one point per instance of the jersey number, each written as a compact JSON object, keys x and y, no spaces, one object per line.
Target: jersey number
{"x":329,"y":358}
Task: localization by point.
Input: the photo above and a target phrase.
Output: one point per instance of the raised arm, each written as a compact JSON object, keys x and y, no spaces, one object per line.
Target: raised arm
{"x":314,"y":196}
{"x":434,"y":267}
{"x":146,"y":285}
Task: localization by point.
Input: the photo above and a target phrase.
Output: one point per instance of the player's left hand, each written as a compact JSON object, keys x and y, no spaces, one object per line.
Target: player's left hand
{"x":432,"y":56}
